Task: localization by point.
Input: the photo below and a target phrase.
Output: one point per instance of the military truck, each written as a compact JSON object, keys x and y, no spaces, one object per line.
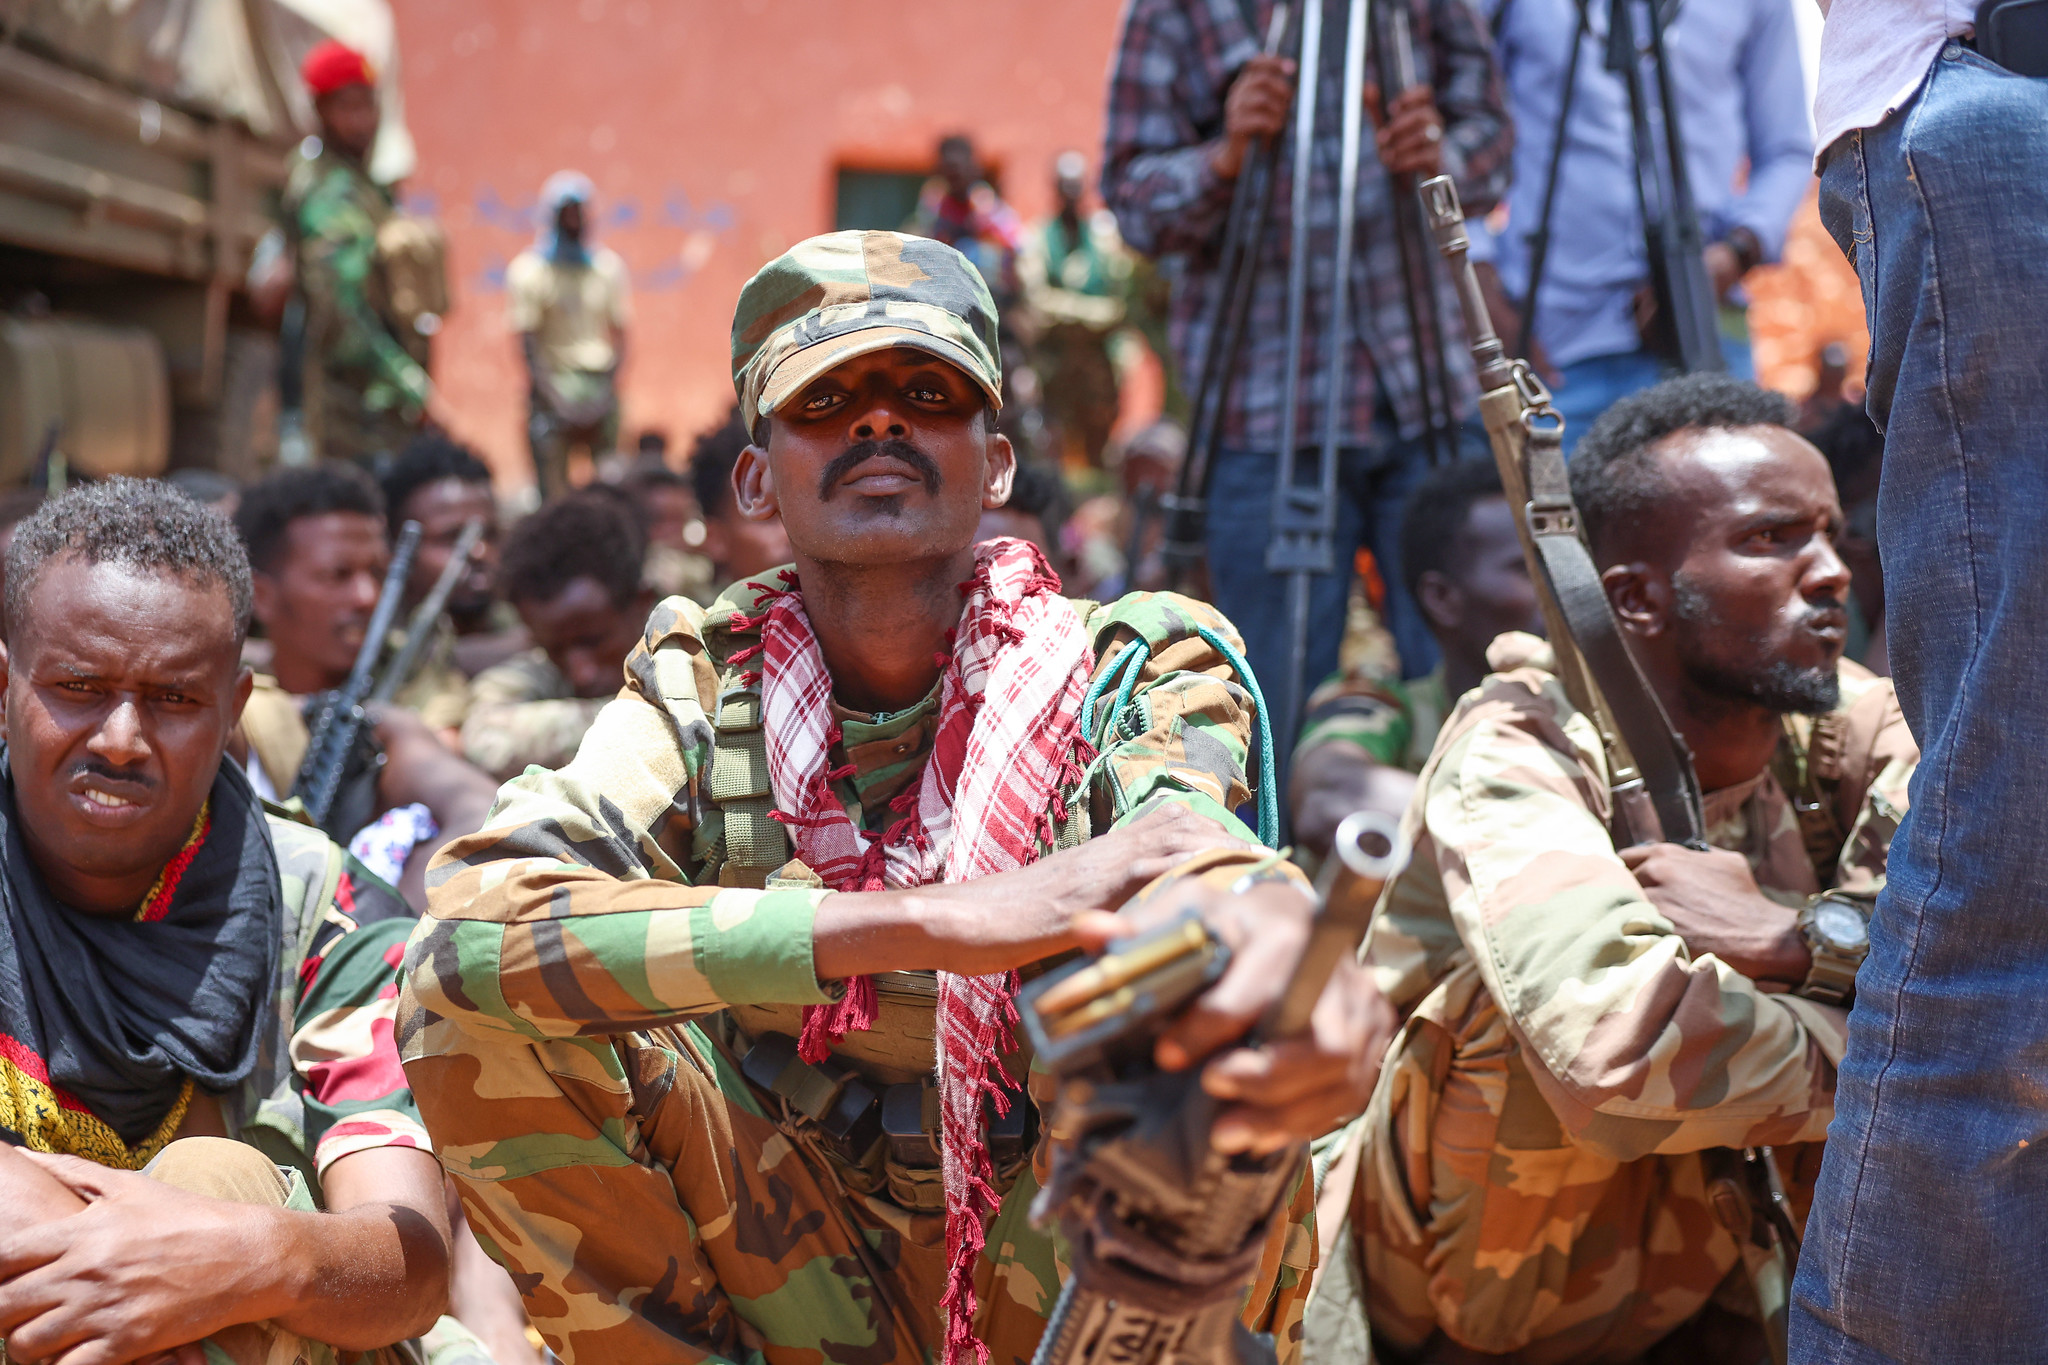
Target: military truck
{"x":143,"y":144}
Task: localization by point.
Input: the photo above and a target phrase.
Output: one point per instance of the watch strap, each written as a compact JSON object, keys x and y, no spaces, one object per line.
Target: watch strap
{"x":1831,"y":979}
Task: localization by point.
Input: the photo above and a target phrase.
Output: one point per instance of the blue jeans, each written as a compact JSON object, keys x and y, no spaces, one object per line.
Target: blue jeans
{"x":1372,"y":491}
{"x":1586,"y":388}
{"x":1926,"y":1234}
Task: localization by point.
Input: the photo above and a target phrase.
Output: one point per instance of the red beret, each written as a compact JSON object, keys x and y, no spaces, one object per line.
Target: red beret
{"x":331,"y":65}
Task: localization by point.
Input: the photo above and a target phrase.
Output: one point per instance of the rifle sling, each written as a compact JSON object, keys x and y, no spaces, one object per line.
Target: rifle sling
{"x":1660,"y":754}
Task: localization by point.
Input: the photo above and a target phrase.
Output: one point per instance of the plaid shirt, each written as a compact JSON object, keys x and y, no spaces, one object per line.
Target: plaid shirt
{"x":1174,"y":66}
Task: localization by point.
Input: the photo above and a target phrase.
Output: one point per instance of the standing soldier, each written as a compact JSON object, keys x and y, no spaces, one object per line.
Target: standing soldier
{"x":365,"y":378}
{"x":568,"y":305}
{"x":1075,"y":275}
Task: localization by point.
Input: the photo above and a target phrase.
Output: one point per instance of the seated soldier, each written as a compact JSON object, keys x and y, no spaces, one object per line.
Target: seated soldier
{"x":667,"y":504}
{"x":572,"y":571}
{"x":317,"y":546}
{"x":194,"y":989}
{"x":1363,"y":737}
{"x":440,"y":483}
{"x":738,"y":546}
{"x":744,"y":894}
{"x":1593,"y":1033}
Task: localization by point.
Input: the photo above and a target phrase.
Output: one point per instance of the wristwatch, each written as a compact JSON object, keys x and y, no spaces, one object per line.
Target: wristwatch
{"x":1837,"y":932}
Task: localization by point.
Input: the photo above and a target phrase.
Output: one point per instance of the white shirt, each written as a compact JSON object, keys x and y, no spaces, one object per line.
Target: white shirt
{"x":1874,"y":54}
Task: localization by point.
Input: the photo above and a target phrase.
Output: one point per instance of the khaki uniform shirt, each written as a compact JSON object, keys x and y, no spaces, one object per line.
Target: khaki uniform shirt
{"x":572,"y":308}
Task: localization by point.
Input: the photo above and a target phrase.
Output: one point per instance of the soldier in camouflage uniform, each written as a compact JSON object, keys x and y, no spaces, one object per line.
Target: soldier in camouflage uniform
{"x":365,"y":385}
{"x":1589,"y":1030}
{"x":193,"y":989}
{"x":649,"y":1042}
{"x":573,"y":572}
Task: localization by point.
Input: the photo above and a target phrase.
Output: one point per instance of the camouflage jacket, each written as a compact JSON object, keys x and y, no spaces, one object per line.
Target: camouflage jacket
{"x":334,"y":210}
{"x":1395,"y":722}
{"x":522,"y":712}
{"x":327,"y":1080}
{"x":1565,"y":1056}
{"x":567,"y":939}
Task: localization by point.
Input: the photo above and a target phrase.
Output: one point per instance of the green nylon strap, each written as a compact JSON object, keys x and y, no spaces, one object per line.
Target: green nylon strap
{"x":739,"y":786}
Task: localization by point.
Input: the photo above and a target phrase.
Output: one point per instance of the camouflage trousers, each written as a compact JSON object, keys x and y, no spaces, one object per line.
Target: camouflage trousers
{"x":732,"y":1236}
{"x":232,"y":1171}
{"x":343,"y":424}
{"x":1484,"y":1231}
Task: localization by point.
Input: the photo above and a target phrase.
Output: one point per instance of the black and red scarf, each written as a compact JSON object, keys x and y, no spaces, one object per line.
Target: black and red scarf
{"x":107,"y":1024}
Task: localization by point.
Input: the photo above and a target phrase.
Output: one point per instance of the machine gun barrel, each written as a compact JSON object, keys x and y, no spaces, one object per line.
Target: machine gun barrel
{"x":420,"y":628}
{"x":341,"y":714}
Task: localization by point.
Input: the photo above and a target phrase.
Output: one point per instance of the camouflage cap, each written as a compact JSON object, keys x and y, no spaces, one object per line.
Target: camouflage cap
{"x":847,"y":294}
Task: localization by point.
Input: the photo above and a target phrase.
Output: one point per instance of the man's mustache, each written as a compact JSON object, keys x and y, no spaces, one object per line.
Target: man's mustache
{"x":862,"y":451}
{"x":112,"y":776}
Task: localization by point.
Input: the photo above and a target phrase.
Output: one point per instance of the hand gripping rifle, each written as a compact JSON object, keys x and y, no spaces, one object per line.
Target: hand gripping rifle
{"x":1655,"y":795}
{"x":1166,"y":1231}
{"x":1230,"y":304}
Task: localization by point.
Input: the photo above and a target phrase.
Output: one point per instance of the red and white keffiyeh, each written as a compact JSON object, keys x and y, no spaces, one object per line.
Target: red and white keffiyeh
{"x":1009,"y":742}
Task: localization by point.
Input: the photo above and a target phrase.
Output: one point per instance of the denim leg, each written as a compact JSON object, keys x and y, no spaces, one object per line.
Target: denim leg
{"x":1586,"y":388}
{"x":1240,"y":525}
{"x":1925,"y":1239}
{"x":1378,"y":483}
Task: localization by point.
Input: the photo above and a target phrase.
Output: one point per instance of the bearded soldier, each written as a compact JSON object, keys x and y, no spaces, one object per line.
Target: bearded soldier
{"x":711,"y":1025}
{"x":1592,"y":1034}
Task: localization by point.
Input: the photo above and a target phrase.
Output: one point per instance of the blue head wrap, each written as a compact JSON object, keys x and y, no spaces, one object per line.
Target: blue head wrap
{"x":564,"y":187}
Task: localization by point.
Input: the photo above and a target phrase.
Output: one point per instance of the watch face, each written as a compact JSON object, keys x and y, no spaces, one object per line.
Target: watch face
{"x":1840,"y":925}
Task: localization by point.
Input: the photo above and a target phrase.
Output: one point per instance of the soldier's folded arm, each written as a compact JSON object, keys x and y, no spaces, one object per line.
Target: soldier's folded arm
{"x":1639,"y":1046}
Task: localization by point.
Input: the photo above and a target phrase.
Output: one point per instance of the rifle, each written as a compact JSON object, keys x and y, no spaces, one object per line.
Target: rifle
{"x":340,"y":718}
{"x":1166,"y":1231}
{"x":419,"y":629}
{"x":1655,"y":794}
{"x":1244,"y":232}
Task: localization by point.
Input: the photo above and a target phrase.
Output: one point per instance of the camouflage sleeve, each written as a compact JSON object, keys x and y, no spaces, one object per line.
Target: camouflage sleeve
{"x":1183,"y":728}
{"x":572,"y":911}
{"x":1358,"y":711}
{"x":1878,"y":766}
{"x":1637,"y":1046}
{"x":343,"y":1051}
{"x":337,"y":252}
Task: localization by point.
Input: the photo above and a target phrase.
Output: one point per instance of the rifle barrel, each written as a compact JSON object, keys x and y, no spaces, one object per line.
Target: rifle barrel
{"x":420,"y":627}
{"x":341,"y":717}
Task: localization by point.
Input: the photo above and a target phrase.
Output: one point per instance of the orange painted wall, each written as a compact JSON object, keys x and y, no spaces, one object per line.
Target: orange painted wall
{"x":712,"y":129}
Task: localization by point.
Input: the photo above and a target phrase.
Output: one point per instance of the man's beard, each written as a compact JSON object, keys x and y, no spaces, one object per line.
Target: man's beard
{"x":1776,"y":684}
{"x":862,"y":451}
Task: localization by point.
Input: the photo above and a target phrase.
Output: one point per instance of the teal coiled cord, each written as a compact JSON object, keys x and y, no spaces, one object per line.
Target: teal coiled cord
{"x":1131,"y":661}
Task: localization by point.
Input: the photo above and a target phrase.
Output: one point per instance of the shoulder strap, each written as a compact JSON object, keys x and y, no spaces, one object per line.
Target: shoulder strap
{"x":1810,"y":773}
{"x":755,"y":845}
